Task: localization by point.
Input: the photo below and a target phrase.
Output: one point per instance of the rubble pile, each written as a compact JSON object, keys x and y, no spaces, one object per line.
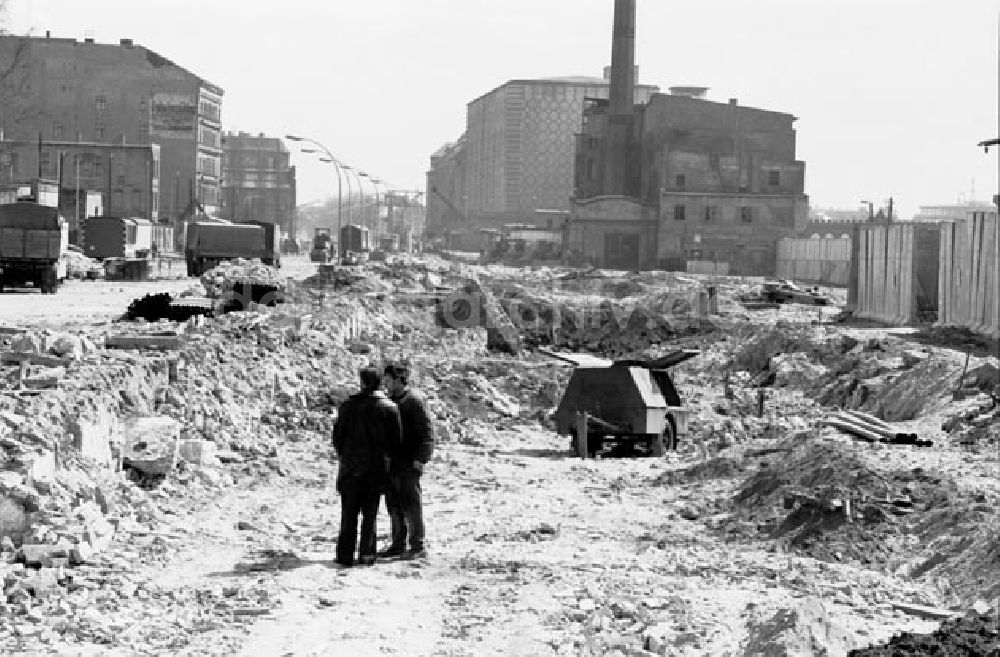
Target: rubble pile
{"x":973,"y":634}
{"x":80,"y":266}
{"x":242,"y":277}
{"x":822,"y":497}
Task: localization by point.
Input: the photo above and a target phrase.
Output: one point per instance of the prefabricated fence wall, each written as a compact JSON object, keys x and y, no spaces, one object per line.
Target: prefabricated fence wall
{"x":895,"y":277}
{"x":825,"y":260}
{"x":970,"y":274}
{"x":708,"y":267}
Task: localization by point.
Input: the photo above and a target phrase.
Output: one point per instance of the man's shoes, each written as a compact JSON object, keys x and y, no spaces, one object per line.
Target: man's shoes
{"x":411,"y":555}
{"x":391,"y":553}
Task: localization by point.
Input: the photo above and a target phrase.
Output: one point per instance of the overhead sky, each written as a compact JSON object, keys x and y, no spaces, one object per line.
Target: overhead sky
{"x":892,"y":95}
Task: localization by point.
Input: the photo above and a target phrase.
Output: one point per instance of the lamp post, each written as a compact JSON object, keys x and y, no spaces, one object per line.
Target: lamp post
{"x":339,"y":165}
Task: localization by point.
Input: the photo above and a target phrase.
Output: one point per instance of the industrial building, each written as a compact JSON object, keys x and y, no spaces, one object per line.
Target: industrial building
{"x":120,"y":94}
{"x":258,"y":180}
{"x":515,"y":157}
{"x":679,"y":178}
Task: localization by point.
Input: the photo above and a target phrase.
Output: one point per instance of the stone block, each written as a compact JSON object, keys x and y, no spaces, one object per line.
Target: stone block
{"x":151,"y":444}
{"x":42,"y":583}
{"x":36,"y":554}
{"x":93,"y":438}
{"x":13,"y":520}
{"x":912,"y":358}
{"x":199,"y":452}
{"x":42,"y":473}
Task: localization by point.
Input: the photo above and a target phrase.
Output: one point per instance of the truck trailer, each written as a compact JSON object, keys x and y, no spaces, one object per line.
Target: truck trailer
{"x":209,"y":243}
{"x":116,"y":237}
{"x":33,"y":240}
{"x":272,"y":242}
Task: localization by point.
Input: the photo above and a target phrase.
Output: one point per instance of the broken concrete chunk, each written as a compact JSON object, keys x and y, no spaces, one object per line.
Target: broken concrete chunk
{"x":199,"y":452}
{"x":912,"y":358}
{"x":151,"y":444}
{"x":42,"y":473}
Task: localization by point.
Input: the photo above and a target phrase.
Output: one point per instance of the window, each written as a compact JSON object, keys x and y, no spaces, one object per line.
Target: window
{"x":746,"y":214}
{"x":99,"y":132}
{"x":58,"y":131}
{"x":713,"y":160}
{"x":137,"y":200}
{"x":711,"y":213}
{"x":774,"y":178}
{"x":591,"y":142}
{"x":101,"y":104}
{"x":592,"y":169}
{"x":680,"y":180}
{"x":119,"y":201}
{"x":679,"y":213}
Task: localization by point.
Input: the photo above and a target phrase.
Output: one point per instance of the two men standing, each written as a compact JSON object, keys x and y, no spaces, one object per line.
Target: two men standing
{"x":383,"y":446}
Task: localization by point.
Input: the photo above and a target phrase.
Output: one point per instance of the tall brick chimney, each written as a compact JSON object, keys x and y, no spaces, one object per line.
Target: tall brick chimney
{"x":621,"y":100}
{"x":622,"y":91}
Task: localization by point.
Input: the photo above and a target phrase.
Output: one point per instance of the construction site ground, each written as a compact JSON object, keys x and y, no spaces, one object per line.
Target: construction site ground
{"x":736,"y":544}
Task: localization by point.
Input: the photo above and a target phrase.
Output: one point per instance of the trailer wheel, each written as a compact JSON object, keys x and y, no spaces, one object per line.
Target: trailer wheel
{"x":660,"y":443}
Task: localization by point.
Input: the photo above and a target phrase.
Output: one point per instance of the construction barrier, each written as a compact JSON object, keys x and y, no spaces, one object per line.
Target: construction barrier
{"x":970,"y":274}
{"x":815,"y":260}
{"x":707,"y":267}
{"x":896,"y":273}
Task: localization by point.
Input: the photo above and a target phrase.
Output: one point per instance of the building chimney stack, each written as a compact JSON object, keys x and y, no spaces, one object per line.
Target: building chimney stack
{"x":622,"y":93}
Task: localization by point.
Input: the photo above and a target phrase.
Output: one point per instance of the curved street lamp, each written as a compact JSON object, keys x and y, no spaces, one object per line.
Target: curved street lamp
{"x":330,"y":159}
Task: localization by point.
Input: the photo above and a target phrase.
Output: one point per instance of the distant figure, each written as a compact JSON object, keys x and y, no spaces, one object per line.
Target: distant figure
{"x":407,"y":464}
{"x":366,"y":433}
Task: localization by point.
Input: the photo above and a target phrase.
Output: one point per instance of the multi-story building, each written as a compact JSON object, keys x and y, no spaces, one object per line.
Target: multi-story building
{"x":258,"y":181}
{"x":121,"y":94}
{"x":517,"y":153}
{"x":127,"y":176}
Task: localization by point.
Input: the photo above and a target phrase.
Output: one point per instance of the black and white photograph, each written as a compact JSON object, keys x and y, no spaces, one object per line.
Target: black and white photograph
{"x":502,"y":328}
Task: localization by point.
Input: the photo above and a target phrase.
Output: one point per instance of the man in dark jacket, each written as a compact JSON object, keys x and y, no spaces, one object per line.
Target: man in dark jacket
{"x":406,"y":465}
{"x":367,"y":432}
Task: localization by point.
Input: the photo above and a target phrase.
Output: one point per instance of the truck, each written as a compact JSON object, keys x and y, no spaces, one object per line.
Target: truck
{"x":209,"y":243}
{"x":33,"y":242}
{"x":116,"y":237}
{"x":272,"y":242}
{"x":355,"y":238}
{"x":322,"y":250}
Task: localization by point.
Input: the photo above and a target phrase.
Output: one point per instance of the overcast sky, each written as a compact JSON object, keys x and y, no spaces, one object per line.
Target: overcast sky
{"x":892,"y":95}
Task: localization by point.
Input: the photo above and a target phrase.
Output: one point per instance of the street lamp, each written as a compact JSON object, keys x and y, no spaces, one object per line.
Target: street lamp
{"x":337,"y":163}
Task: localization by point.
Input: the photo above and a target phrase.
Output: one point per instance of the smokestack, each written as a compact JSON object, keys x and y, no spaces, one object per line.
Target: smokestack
{"x":617,"y":146}
{"x":622,"y":92}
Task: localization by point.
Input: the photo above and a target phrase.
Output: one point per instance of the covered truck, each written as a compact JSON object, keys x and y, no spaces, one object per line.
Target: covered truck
{"x":272,"y":242}
{"x":33,"y":240}
{"x":209,"y":243}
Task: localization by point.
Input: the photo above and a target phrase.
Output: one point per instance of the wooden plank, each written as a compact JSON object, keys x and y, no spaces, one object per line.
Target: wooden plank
{"x":14,"y":357}
{"x":923,"y":611}
{"x":166,"y":342}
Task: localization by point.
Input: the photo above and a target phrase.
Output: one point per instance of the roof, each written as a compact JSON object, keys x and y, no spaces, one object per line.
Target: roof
{"x":565,"y":80}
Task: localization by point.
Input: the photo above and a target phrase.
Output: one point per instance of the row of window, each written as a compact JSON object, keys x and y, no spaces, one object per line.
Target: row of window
{"x":773,"y":178}
{"x":747,"y":213}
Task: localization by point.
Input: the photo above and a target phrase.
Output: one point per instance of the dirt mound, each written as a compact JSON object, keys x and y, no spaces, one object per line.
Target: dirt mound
{"x":719,"y":467}
{"x":826,"y":500}
{"x":973,"y":634}
{"x":805,"y":630}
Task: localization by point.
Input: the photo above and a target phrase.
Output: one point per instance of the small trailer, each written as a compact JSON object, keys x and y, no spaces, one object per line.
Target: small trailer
{"x":622,"y":401}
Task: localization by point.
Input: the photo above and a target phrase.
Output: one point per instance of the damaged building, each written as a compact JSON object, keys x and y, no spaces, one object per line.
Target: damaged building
{"x":681,"y":179}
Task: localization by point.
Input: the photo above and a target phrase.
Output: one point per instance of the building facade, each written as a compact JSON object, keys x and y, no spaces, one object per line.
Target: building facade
{"x":258,"y":180}
{"x":126,"y":176}
{"x":516,"y":155}
{"x":122,"y":94}
{"x":722,"y":178}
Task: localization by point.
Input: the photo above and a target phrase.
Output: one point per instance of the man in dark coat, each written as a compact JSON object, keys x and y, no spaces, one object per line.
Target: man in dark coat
{"x":367,"y":432}
{"x":402,"y":499}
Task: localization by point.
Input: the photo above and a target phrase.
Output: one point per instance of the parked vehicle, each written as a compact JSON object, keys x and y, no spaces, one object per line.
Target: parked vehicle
{"x":272,"y":242}
{"x":116,"y":237}
{"x":208,"y":243}
{"x":322,"y":250}
{"x":33,"y":241}
{"x":356,"y":238}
